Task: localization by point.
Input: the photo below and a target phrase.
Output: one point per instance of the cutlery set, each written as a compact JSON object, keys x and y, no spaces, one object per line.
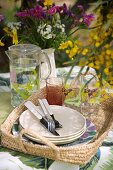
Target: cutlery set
{"x":70,"y":123}
{"x":45,"y":115}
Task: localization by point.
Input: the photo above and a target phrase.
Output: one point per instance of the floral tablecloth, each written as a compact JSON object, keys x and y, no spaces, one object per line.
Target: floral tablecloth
{"x":11,"y":160}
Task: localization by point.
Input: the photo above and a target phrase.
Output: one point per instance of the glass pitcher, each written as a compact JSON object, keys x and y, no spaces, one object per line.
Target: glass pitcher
{"x":28,"y":66}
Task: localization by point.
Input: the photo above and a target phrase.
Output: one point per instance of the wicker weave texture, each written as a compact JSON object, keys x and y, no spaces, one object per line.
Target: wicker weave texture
{"x":80,"y":154}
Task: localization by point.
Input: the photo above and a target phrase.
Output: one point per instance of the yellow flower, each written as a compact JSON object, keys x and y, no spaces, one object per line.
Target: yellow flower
{"x":108,"y":63}
{"x":91,"y":64}
{"x":105,"y":34}
{"x":15,"y":37}
{"x":97,"y":67}
{"x":97,"y":62}
{"x":103,"y":91}
{"x":8,"y":32}
{"x":48,"y":2}
{"x":85,"y":51}
{"x":77,"y":42}
{"x":63,"y":46}
{"x":73,"y":51}
{"x":67,"y":51}
{"x":1,"y":43}
{"x":97,"y":44}
{"x":106,"y":71}
{"x":70,"y":43}
{"x":97,"y":84}
{"x":107,"y":57}
{"x":108,"y":52}
{"x":94,"y":93}
{"x":96,"y":37}
{"x":103,"y":97}
{"x":101,"y":59}
{"x":107,"y":46}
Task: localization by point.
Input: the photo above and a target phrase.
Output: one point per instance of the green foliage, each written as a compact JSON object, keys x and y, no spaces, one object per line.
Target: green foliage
{"x":29,"y":160}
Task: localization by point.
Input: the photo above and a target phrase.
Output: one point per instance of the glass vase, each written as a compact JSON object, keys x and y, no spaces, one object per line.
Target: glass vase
{"x":50,"y":53}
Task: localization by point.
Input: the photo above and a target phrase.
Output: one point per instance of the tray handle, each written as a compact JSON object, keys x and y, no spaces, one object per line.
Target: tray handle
{"x":43,"y":139}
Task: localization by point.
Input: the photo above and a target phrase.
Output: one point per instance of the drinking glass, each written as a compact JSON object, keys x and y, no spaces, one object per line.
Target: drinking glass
{"x":54,"y":87}
{"x":88,"y":94}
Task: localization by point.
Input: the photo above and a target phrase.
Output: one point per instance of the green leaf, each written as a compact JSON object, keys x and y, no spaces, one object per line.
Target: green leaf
{"x":33,"y":161}
{"x":29,"y":160}
{"x":76,"y":101}
{"x":68,"y":75}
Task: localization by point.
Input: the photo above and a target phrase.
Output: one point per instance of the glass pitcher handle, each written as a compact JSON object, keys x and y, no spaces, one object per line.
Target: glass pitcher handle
{"x":43,"y":61}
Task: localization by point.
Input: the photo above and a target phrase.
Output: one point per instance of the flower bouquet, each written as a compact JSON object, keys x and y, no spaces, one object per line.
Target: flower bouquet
{"x":47,"y":25}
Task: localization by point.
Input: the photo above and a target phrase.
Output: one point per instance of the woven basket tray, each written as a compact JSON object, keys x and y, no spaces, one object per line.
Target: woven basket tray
{"x":73,"y":154}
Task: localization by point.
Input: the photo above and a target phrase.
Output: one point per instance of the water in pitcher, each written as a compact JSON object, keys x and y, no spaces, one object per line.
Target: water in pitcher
{"x":24,"y":80}
{"x":26,"y":69}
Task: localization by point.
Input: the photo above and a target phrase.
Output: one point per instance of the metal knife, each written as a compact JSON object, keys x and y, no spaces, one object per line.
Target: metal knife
{"x":43,"y":119}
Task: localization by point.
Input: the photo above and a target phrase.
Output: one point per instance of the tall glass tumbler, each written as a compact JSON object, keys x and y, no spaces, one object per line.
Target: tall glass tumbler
{"x":54,"y":87}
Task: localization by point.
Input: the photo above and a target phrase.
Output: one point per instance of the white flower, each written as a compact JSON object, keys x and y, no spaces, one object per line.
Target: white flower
{"x":45,"y":31}
{"x":42,"y":32}
{"x":13,"y":25}
{"x":61,"y":27}
{"x":48,"y":31}
{"x":48,"y":28}
{"x":54,"y":35}
{"x":41,"y":27}
{"x":48,"y":36}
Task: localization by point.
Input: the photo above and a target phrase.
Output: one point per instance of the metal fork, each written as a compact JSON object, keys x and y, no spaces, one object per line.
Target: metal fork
{"x":47,"y":110}
{"x":51,"y":127}
{"x":48,"y":123}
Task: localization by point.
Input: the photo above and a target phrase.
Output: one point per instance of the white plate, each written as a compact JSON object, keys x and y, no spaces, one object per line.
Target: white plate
{"x":72,"y":121}
{"x":69,"y":137}
{"x":87,"y":137}
{"x":57,"y":141}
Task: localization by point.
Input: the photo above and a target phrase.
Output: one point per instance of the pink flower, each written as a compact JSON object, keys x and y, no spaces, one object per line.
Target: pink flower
{"x":88,"y":18}
{"x":22,"y":14}
{"x":36,"y":12}
{"x":80,"y":7}
{"x":52,"y":10}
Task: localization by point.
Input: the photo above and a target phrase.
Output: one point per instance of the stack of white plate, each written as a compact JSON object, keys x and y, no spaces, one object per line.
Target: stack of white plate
{"x":73,"y":122}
